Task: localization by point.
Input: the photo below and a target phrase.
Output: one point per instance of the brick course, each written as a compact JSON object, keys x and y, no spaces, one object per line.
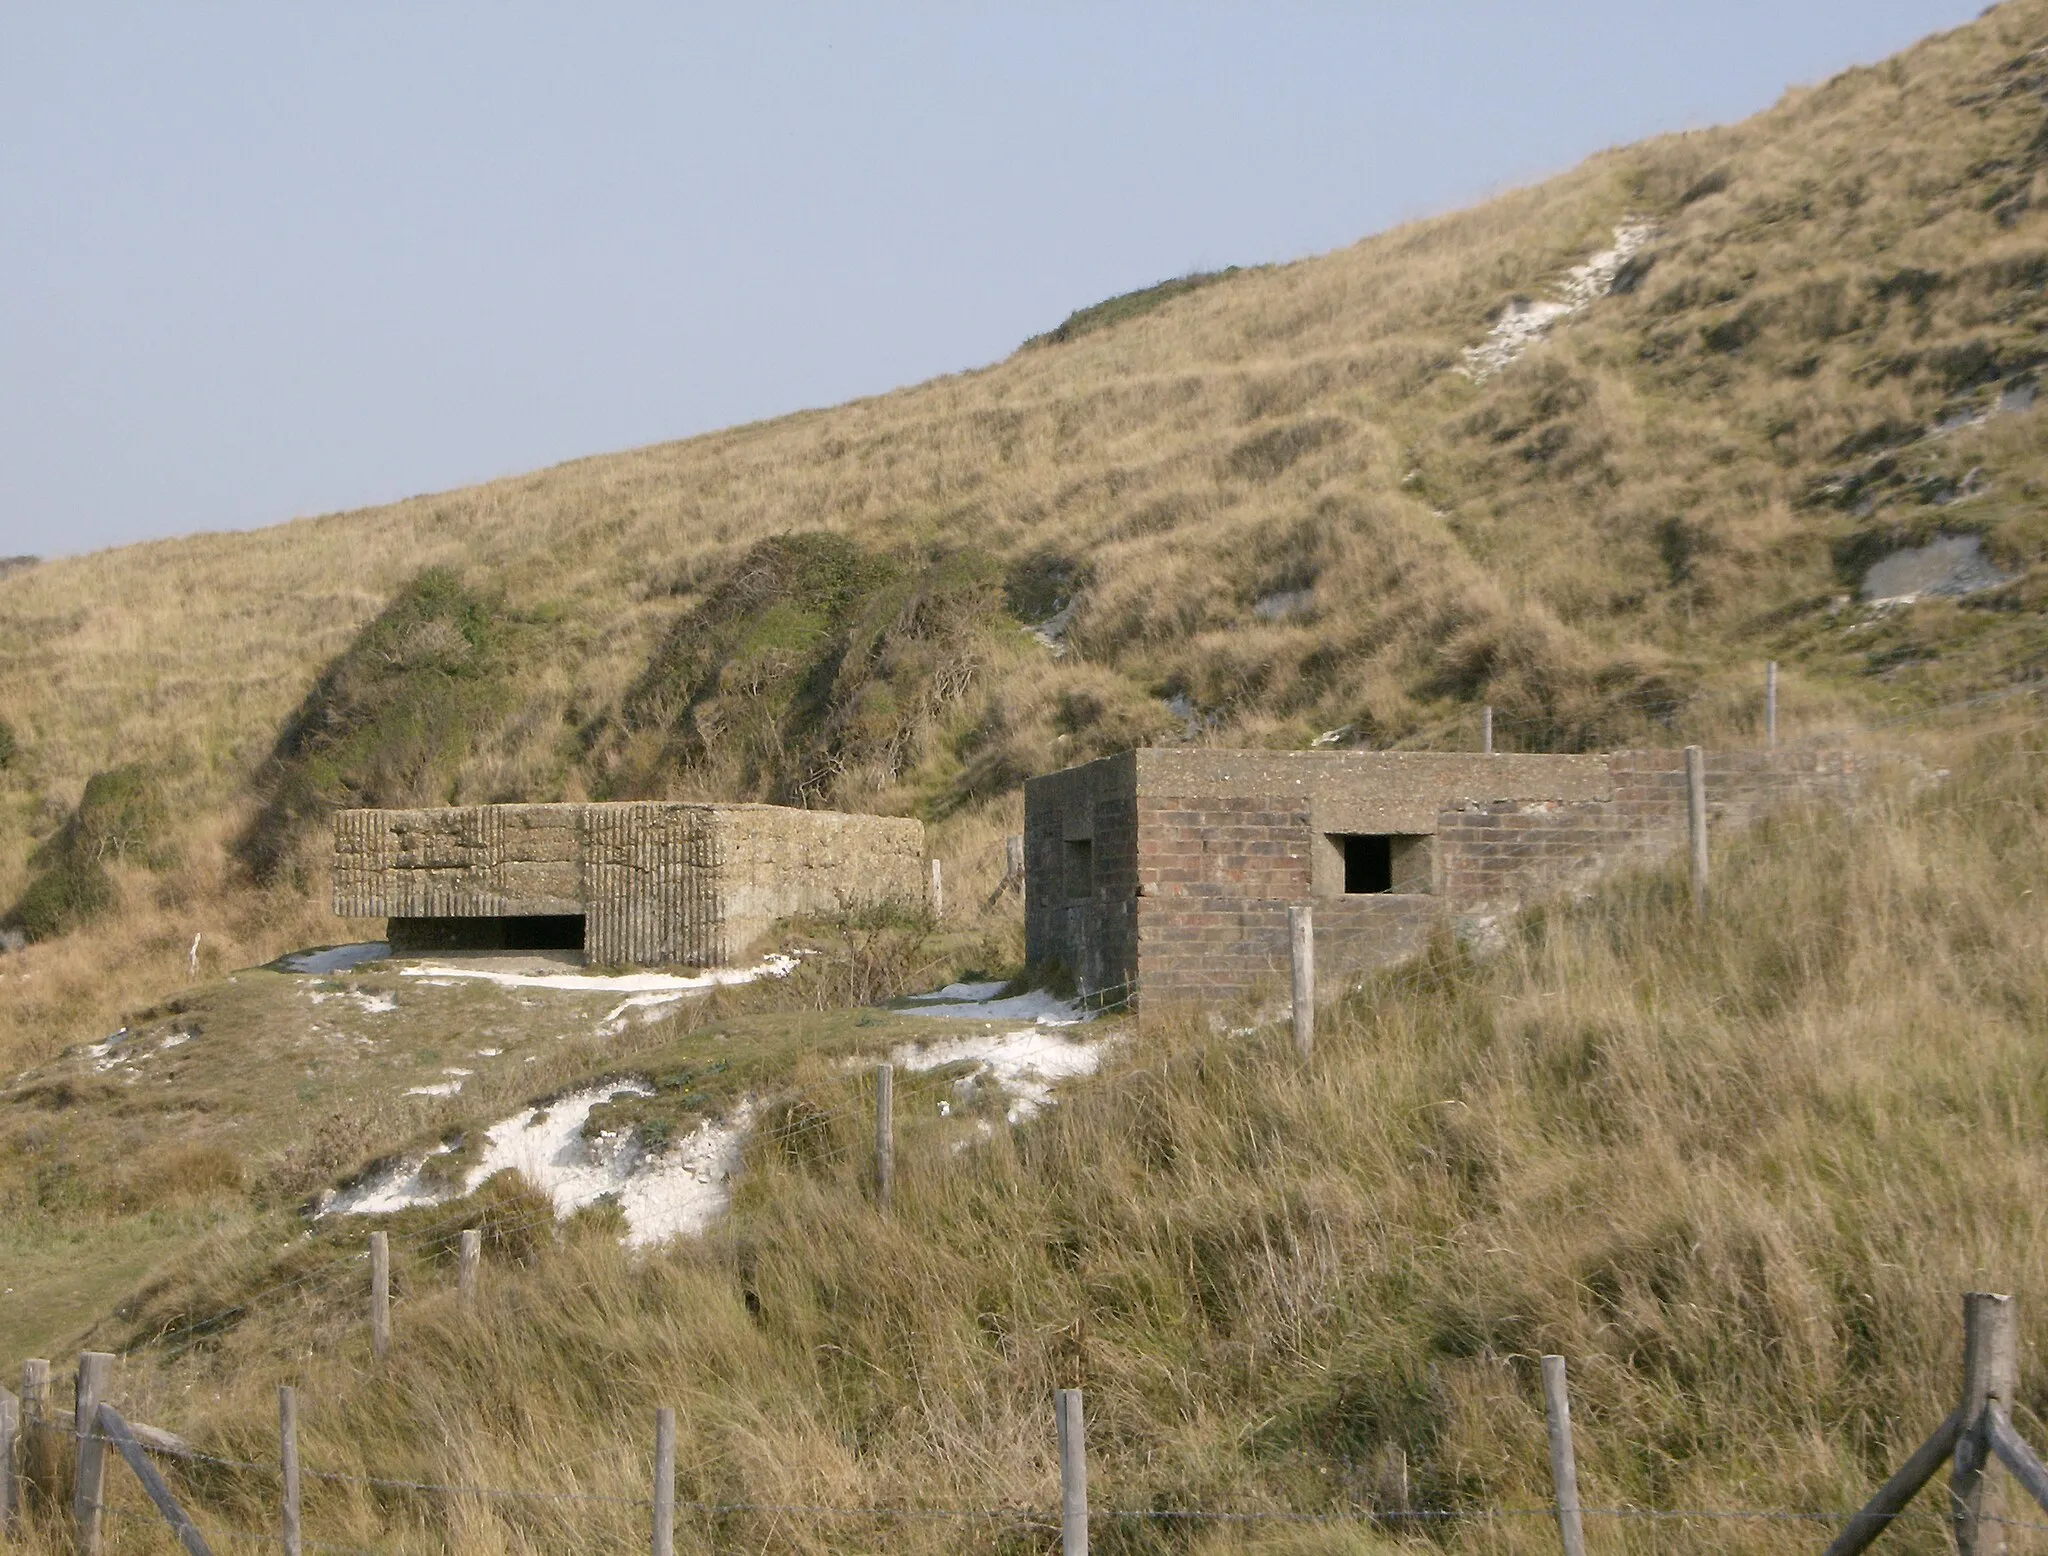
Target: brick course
{"x":1196,"y":855}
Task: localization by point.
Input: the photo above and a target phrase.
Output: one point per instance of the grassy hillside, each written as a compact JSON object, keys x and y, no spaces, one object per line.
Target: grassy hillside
{"x":1738,"y":1170}
{"x":1277,"y":504}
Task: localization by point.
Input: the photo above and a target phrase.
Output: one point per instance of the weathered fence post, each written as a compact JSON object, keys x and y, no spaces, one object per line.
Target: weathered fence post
{"x":1770,"y":702}
{"x":885,"y":1135}
{"x":111,"y":1428}
{"x":664,"y":1482}
{"x":380,"y":1294}
{"x":1486,"y":729}
{"x":1564,"y":1469}
{"x":38,"y":1449}
{"x":1301,"y":954}
{"x":1073,"y":1441}
{"x":465,"y":1267}
{"x":288,"y":1464}
{"x":1990,"y":1369}
{"x":1696,"y":820}
{"x":938,"y":891}
{"x":95,"y":1369}
{"x":10,"y":1484}
{"x":1013,"y":857}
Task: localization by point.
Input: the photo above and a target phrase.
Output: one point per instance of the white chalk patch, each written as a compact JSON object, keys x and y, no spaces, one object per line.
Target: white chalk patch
{"x":678,"y":1192}
{"x":438,"y":1089}
{"x":1024,"y":1065}
{"x":625,"y":983}
{"x":176,"y":1040}
{"x":615,"y":1019}
{"x":398,"y":1187}
{"x":489,"y":1053}
{"x":684,"y":1190}
{"x":368,"y":1004}
{"x":1527,"y":320}
{"x":335,"y":958}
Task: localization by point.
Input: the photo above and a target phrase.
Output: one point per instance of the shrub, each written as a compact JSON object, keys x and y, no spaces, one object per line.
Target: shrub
{"x":62,"y":898}
{"x":120,"y":818}
{"x":10,"y":748}
{"x":1128,"y":305}
{"x":812,"y":671}
{"x":391,"y":721}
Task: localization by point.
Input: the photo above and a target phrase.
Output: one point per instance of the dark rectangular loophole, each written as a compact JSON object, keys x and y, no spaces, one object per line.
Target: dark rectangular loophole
{"x":522,"y":932}
{"x":1368,"y":865}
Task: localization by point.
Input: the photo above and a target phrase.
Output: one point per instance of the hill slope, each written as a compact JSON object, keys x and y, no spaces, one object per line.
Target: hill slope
{"x":1285,"y":502}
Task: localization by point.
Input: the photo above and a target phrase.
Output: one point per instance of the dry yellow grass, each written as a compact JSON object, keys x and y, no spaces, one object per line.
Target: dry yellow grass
{"x":1624,"y":519}
{"x":1737,"y":1171}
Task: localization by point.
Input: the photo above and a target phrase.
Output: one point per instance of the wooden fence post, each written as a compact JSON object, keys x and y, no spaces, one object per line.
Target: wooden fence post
{"x":38,"y":1448}
{"x":95,"y":1370}
{"x":109,"y":1426}
{"x":1564,"y":1469}
{"x":1073,"y":1441}
{"x":380,"y":1294}
{"x":664,"y":1482}
{"x":1696,"y":820}
{"x":1486,"y":729}
{"x":1770,"y":702}
{"x":1990,"y":1369}
{"x":885,"y":1135}
{"x":288,"y":1464}
{"x":1301,"y":954}
{"x":1013,"y":857}
{"x":938,"y":891}
{"x":10,"y":1483}
{"x":465,"y":1267}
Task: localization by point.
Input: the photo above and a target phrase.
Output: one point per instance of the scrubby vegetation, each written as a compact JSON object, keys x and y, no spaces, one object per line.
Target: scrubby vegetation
{"x":396,"y":720}
{"x":1128,"y":305}
{"x":121,"y":818}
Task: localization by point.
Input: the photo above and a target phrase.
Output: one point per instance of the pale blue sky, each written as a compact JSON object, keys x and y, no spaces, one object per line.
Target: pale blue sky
{"x":266,"y":260}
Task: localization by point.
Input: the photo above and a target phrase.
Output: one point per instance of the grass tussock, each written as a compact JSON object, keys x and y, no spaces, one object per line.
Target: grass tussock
{"x":1738,"y":1171}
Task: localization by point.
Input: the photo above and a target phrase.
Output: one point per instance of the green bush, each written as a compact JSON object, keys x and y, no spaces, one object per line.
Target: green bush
{"x":1128,"y":305}
{"x":120,"y":818}
{"x":392,"y":720}
{"x":814,"y":671}
{"x":62,"y":898}
{"x":10,"y":748}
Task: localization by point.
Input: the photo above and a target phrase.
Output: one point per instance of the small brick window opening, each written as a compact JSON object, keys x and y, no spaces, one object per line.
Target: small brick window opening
{"x":1379,"y":862}
{"x":1078,"y":866}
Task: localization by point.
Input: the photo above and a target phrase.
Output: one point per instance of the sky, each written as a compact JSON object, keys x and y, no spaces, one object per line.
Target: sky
{"x":259,"y":261}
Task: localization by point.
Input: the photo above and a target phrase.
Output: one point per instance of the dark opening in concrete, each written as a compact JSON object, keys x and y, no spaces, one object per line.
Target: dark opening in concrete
{"x":1376,"y":862}
{"x":526,"y":932}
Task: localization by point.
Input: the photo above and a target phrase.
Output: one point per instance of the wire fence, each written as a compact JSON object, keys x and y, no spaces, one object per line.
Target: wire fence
{"x":932,"y":1090}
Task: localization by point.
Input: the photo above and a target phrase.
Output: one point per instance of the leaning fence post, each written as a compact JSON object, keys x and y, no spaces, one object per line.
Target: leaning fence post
{"x":1067,"y":1421}
{"x":95,"y":1369}
{"x":1990,"y":1369}
{"x":1696,"y":820}
{"x":885,"y":1135}
{"x":288,"y":1464}
{"x":1486,"y":729}
{"x":472,"y":1250}
{"x":1770,"y":702}
{"x":1301,"y":954}
{"x":380,"y":1294}
{"x":664,"y":1482}
{"x":1564,"y":1470}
